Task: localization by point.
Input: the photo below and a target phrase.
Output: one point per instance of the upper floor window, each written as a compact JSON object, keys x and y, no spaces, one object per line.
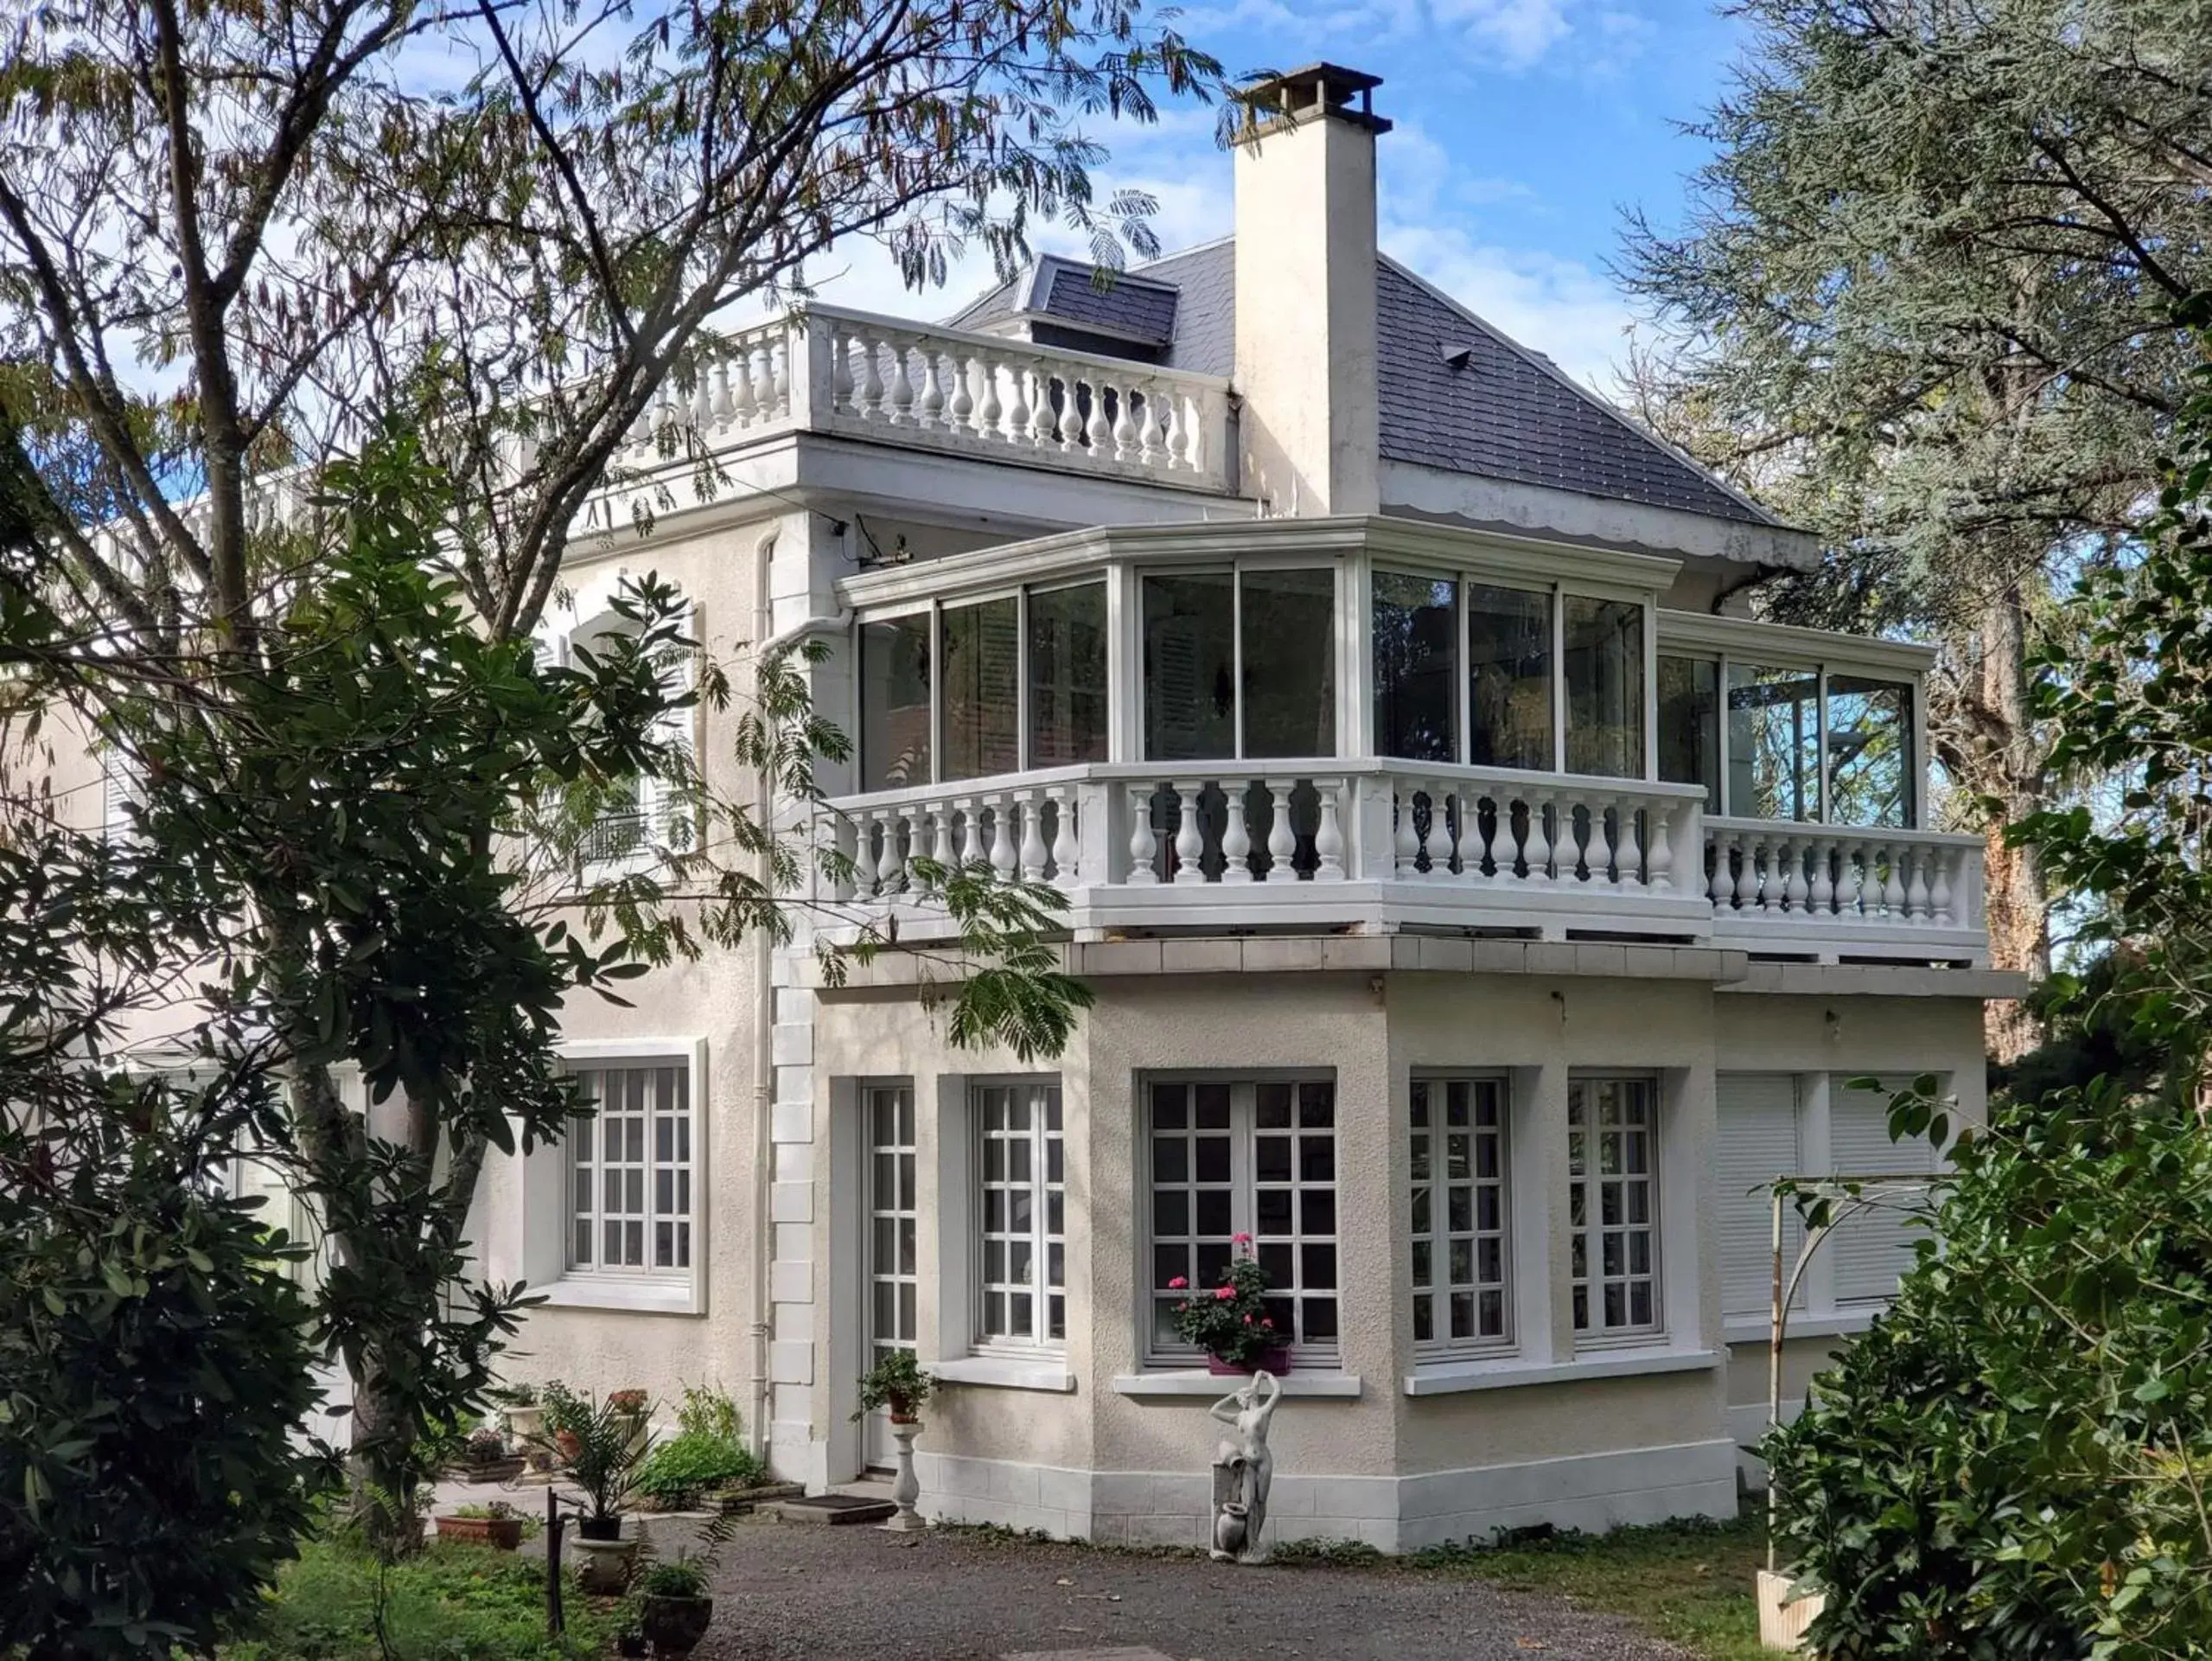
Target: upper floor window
{"x":981,"y":687}
{"x":1530,"y":659}
{"x":1797,"y":743}
{"x":1240,"y":664}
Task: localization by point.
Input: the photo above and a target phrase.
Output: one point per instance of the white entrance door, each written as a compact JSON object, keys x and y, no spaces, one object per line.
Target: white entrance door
{"x":889,"y":1319}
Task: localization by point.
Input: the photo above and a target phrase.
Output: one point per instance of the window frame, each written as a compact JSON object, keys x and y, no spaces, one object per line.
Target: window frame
{"x":1242,"y":1083}
{"x":1235,"y":570}
{"x":1451,"y":1346}
{"x":934,"y":610}
{"x":654,"y":802}
{"x":1047,"y":1089}
{"x":1915,"y":767}
{"x":1598,"y":1335}
{"x":674,"y":1290}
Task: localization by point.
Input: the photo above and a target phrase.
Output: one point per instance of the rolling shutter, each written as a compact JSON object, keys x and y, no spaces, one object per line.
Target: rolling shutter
{"x":1757,"y":1143}
{"x":1873,"y":1248}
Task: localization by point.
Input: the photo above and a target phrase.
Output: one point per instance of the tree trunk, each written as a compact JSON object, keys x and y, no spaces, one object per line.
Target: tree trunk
{"x":2019,"y":899}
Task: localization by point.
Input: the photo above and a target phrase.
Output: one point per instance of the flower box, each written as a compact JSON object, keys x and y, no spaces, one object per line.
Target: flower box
{"x":1276,"y":1361}
{"x":503,"y":1533}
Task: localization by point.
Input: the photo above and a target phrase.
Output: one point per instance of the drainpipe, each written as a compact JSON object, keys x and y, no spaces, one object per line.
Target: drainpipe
{"x":764,"y":1019}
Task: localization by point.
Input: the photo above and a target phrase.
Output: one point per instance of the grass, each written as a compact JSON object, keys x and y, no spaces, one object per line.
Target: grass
{"x":452,"y":1602}
{"x":1690,"y":1581}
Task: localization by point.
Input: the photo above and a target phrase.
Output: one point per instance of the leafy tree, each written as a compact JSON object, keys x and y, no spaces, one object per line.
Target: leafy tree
{"x":1922,"y":303}
{"x":155,"y":1347}
{"x":2013,"y":1463}
{"x":235,"y":240}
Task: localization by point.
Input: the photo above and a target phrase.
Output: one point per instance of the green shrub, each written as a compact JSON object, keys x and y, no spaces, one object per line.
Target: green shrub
{"x":681,"y":1578}
{"x":1998,"y":1470}
{"x":691,"y":1464}
{"x":451,"y":1601}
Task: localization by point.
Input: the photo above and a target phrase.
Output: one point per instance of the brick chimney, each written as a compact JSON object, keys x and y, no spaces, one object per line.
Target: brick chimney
{"x":1305,"y":296}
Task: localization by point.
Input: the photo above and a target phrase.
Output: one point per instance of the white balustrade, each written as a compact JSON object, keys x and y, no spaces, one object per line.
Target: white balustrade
{"x":1822,"y":875}
{"x":1490,"y":829}
{"x":998,"y":396}
{"x":910,"y":847}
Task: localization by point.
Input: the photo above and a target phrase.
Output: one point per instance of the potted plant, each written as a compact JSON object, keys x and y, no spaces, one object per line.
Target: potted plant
{"x":487,"y":1444}
{"x":896,"y":1382}
{"x":673,"y":1607}
{"x":608,"y":1452}
{"x":563,"y":1417}
{"x":1231,"y":1322}
{"x":634,"y":1408}
{"x":498,"y":1525}
{"x":526,"y":1419}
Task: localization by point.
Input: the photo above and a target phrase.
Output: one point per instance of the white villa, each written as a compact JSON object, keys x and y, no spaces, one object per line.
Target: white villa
{"x":1479,"y":907}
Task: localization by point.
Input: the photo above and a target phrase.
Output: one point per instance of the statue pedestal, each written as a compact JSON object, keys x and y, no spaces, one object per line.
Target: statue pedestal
{"x":906,"y":1487}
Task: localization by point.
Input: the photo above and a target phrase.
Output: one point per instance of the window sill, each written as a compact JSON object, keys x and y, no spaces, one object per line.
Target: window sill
{"x":1448,"y":1379}
{"x":1836,"y":1323}
{"x":1341,"y":1386}
{"x":640,"y":1297}
{"x":1004,"y":1372}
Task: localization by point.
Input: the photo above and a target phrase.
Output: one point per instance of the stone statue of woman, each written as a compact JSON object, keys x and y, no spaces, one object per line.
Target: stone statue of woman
{"x":1243,"y":1468}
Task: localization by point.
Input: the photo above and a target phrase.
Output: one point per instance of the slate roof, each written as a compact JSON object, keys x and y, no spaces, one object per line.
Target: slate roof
{"x":1457,"y":394}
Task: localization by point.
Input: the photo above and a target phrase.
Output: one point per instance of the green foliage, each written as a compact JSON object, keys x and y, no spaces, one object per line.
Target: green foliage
{"x":897,"y":1382}
{"x":2006,"y":1463}
{"x":707,"y":1451}
{"x":673,"y":1580}
{"x":611,"y":1447}
{"x":709,"y":1412}
{"x":1230,"y":1320}
{"x":451,"y":1601}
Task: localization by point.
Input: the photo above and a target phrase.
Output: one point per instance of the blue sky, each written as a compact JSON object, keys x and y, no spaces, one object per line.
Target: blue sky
{"x":1523,"y":127}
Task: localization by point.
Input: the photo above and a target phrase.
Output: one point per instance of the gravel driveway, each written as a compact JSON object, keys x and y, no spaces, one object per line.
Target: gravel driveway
{"x":800,"y":1592}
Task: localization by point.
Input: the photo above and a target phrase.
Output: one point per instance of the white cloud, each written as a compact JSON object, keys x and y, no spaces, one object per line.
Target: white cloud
{"x":1521,"y":31}
{"x":1559,"y":307}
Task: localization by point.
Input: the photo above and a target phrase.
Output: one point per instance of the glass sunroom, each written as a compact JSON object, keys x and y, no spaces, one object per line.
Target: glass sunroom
{"x":1462,"y":726}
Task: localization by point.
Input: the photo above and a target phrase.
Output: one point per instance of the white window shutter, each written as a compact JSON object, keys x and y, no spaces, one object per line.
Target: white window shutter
{"x":1758,"y":1143}
{"x":1874,"y":1246}
{"x":123,"y":786}
{"x":666,"y":808}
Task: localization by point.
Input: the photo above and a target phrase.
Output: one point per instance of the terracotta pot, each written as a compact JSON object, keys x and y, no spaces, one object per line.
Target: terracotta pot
{"x":1277,"y":1361}
{"x":569,"y":1442}
{"x":504,"y":1533}
{"x":674,"y":1626}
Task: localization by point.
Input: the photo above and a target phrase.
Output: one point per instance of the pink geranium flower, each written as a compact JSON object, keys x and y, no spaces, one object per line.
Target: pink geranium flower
{"x":1226,"y":1292}
{"x":1177,"y":1284}
{"x":1241,"y":1239}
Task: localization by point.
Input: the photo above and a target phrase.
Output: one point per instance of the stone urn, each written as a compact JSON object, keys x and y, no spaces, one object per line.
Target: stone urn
{"x":673,"y":1626}
{"x":603,"y":1566}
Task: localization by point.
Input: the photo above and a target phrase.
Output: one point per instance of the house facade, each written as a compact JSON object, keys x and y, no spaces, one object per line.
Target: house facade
{"x":1478,"y":907}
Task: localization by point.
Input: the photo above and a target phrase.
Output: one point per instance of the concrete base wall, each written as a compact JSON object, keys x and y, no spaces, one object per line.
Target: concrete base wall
{"x":1591,"y":1492}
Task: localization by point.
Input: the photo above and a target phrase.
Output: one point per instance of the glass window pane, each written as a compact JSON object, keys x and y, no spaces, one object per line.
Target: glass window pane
{"x":1689,"y":724}
{"x":982,"y":689}
{"x":1068,"y":675}
{"x":1604,"y":644}
{"x":894,"y":702}
{"x":1415,"y":627}
{"x":1774,"y":743}
{"x":1190,"y":668}
{"x":1289,"y":662}
{"x":1871,"y":772}
{"x":1508,"y":677}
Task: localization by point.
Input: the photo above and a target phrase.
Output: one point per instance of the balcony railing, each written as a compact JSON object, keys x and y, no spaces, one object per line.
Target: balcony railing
{"x":829,"y":370}
{"x":1386,"y":845}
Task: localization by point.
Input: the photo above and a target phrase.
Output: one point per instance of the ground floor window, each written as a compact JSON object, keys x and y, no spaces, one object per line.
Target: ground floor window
{"x":1613,"y":1204}
{"x":1022,"y":1176}
{"x":1253,"y":1156}
{"x":893,"y":1275}
{"x":1461,"y":1300}
{"x":630,"y":1170}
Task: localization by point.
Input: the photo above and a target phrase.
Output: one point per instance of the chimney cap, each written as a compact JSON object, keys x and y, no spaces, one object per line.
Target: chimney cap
{"x":1318,"y":89}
